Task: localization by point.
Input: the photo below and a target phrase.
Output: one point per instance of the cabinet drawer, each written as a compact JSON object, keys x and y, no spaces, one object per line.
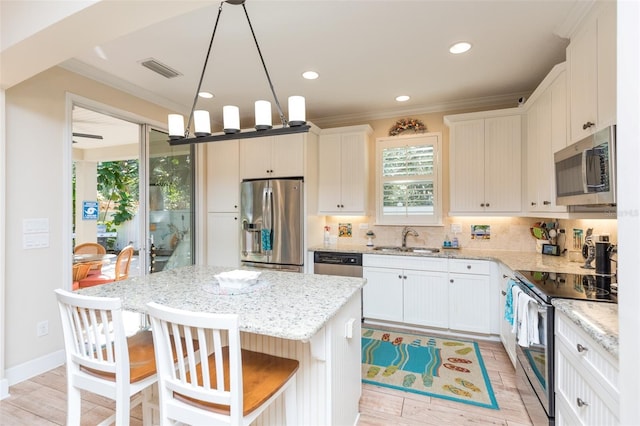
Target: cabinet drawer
{"x":588,"y":356}
{"x":582,"y":399}
{"x":418,"y":263}
{"x":465,"y":266}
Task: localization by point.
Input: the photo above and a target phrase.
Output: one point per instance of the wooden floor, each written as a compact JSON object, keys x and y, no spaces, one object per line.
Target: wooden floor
{"x":42,"y":401}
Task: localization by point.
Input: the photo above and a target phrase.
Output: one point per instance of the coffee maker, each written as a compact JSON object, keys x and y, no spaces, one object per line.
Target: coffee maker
{"x":604,"y":251}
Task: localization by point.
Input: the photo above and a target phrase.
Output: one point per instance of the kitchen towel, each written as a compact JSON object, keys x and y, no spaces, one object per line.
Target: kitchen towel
{"x":515,"y":293}
{"x":265,"y":236}
{"x":508,"y":308}
{"x":526,"y":321}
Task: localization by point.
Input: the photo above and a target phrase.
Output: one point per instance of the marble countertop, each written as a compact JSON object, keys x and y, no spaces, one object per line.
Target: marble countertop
{"x":598,"y":319}
{"x":287,"y":305}
{"x":513,"y":259}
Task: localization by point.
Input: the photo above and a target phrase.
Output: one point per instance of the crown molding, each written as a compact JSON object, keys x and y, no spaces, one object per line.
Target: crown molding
{"x":100,"y":76}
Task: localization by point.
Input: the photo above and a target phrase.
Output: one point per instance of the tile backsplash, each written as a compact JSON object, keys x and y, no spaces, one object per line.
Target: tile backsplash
{"x":507,"y":233}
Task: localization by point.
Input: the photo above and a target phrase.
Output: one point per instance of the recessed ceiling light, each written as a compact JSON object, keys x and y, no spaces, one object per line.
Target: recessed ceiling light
{"x":403,"y":98}
{"x":460,"y":47}
{"x":310,"y":75}
{"x":206,"y":95}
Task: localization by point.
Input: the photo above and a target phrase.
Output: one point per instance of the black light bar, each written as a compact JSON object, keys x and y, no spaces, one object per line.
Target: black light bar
{"x":241,"y":135}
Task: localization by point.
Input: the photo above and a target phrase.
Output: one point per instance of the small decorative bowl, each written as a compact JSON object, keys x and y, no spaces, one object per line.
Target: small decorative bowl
{"x":237,"y":279}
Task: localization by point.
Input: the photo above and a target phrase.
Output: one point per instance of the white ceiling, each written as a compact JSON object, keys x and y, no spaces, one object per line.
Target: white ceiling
{"x":367,"y":53}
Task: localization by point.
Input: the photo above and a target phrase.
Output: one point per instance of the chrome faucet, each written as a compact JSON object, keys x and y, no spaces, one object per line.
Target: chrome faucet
{"x":407,"y":231}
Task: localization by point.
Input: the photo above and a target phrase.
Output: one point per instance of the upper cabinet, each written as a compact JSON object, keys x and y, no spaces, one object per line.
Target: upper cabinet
{"x":485,"y":162}
{"x":343,"y":170}
{"x":272,"y":156}
{"x":591,"y":64}
{"x":223,"y":176}
{"x":546,"y":112}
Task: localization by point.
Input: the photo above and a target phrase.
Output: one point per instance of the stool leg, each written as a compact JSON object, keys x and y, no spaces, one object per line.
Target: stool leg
{"x":291,"y":403}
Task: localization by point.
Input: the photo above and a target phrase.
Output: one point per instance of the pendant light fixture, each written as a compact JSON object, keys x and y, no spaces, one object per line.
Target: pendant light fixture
{"x":179,"y":135}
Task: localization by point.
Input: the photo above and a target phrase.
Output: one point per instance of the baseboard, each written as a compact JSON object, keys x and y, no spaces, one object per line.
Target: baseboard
{"x":4,"y":389}
{"x":430,"y":331}
{"x":32,"y":368}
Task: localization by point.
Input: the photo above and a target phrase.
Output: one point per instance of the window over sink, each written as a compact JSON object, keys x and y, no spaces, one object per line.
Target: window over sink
{"x":408,"y":180}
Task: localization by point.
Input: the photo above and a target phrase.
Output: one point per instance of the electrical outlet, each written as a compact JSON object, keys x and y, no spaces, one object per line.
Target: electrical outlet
{"x":456,"y":228}
{"x":42,"y":329}
{"x":363,"y":226}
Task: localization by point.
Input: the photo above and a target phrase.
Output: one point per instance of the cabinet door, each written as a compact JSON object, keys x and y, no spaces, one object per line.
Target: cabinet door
{"x":607,"y":57}
{"x":223,"y":233}
{"x":329,"y":174}
{"x":582,"y":57}
{"x":507,"y":336}
{"x":382,"y":296}
{"x":467,"y":166}
{"x":426,"y":298}
{"x":533,"y":158}
{"x":255,"y":158}
{"x":503,"y":170}
{"x":287,"y":156}
{"x":223,"y":176}
{"x":353,"y":174}
{"x":469,"y":303}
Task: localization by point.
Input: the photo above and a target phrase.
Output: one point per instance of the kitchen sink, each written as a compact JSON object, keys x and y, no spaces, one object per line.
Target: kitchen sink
{"x":399,"y":249}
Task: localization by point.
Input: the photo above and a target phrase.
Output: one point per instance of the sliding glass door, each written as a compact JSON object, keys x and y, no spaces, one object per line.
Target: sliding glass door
{"x":170,"y":188}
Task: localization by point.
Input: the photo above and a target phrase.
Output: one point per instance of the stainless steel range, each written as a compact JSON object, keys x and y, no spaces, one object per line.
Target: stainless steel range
{"x":535,"y":362}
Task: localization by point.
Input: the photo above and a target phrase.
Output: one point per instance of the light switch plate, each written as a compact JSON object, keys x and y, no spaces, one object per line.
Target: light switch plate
{"x":456,"y":228}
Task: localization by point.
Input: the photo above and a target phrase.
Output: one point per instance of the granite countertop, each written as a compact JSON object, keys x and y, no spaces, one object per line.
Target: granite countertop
{"x":513,"y":259}
{"x":598,"y":319}
{"x":287,"y":305}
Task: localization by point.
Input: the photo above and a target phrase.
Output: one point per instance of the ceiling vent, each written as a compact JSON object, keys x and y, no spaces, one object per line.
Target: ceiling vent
{"x":160,"y":68}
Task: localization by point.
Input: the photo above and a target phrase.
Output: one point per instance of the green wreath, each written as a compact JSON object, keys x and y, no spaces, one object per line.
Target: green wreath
{"x":405,"y":124}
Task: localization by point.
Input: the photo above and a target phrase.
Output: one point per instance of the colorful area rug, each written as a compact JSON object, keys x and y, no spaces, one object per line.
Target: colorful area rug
{"x":438,"y":367}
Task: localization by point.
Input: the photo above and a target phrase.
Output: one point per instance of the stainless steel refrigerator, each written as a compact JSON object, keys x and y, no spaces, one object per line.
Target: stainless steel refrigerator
{"x":271,"y":224}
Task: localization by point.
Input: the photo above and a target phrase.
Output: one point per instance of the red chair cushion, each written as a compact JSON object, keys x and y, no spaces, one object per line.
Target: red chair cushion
{"x":93,"y":280}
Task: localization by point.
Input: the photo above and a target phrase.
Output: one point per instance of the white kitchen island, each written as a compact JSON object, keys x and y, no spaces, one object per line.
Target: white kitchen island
{"x":312,"y":318}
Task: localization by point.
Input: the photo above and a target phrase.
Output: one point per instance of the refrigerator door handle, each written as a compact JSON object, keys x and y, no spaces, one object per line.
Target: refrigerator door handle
{"x":267,"y":213}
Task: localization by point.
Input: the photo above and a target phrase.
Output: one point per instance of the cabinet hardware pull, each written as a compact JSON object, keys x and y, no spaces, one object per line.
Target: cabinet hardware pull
{"x":505,"y":276}
{"x":451,"y":280}
{"x":588,"y":124}
{"x":546,"y":203}
{"x":404,"y":277}
{"x":581,"y":348}
{"x":468,"y":266}
{"x":487,"y":204}
{"x":504,"y":293}
{"x":482,"y":205}
{"x":581,"y":403}
{"x":533,"y":203}
{"x":400,"y":276}
{"x":338,"y":205}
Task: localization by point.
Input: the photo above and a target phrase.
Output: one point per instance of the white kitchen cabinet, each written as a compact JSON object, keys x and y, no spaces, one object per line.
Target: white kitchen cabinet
{"x":485,"y":162}
{"x":591,"y":59}
{"x":343,"y":172}
{"x":223,"y":176}
{"x":382,"y":297}
{"x":272,"y":156}
{"x":507,"y":336}
{"x":223,"y":203}
{"x":470,"y":295}
{"x":587,"y":390}
{"x":546,"y":133}
{"x":433,"y":292}
{"x":223,"y":247}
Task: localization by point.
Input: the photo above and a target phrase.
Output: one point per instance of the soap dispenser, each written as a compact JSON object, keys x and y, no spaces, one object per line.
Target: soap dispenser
{"x":370,"y":236}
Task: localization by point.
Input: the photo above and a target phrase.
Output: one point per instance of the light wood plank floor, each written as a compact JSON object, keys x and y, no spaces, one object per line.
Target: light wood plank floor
{"x":42,"y":401}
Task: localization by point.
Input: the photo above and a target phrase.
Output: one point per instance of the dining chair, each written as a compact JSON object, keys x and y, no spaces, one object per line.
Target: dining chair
{"x":91,"y":248}
{"x":121,"y":270}
{"x":219,"y":384}
{"x":80,"y":271}
{"x":100,"y":358}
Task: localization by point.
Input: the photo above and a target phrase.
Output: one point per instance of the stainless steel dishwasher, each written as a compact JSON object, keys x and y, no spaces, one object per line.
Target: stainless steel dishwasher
{"x":341,"y":264}
{"x":334,"y":263}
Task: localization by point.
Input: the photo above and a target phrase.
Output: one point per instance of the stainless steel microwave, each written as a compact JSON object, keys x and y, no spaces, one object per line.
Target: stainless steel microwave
{"x":586,"y":171}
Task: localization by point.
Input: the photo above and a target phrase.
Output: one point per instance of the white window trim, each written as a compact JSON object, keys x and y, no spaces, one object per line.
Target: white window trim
{"x":436,"y":219}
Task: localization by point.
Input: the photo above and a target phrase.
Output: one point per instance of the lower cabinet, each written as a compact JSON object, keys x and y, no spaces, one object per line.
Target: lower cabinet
{"x":586,"y":378}
{"x":223,"y":247}
{"x":507,"y":336}
{"x":431,"y":292}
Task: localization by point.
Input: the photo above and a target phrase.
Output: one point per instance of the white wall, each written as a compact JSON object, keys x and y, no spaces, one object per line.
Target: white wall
{"x":38,"y":170}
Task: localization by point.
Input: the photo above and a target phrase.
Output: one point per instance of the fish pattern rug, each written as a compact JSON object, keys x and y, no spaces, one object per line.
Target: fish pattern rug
{"x":434,"y":366}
